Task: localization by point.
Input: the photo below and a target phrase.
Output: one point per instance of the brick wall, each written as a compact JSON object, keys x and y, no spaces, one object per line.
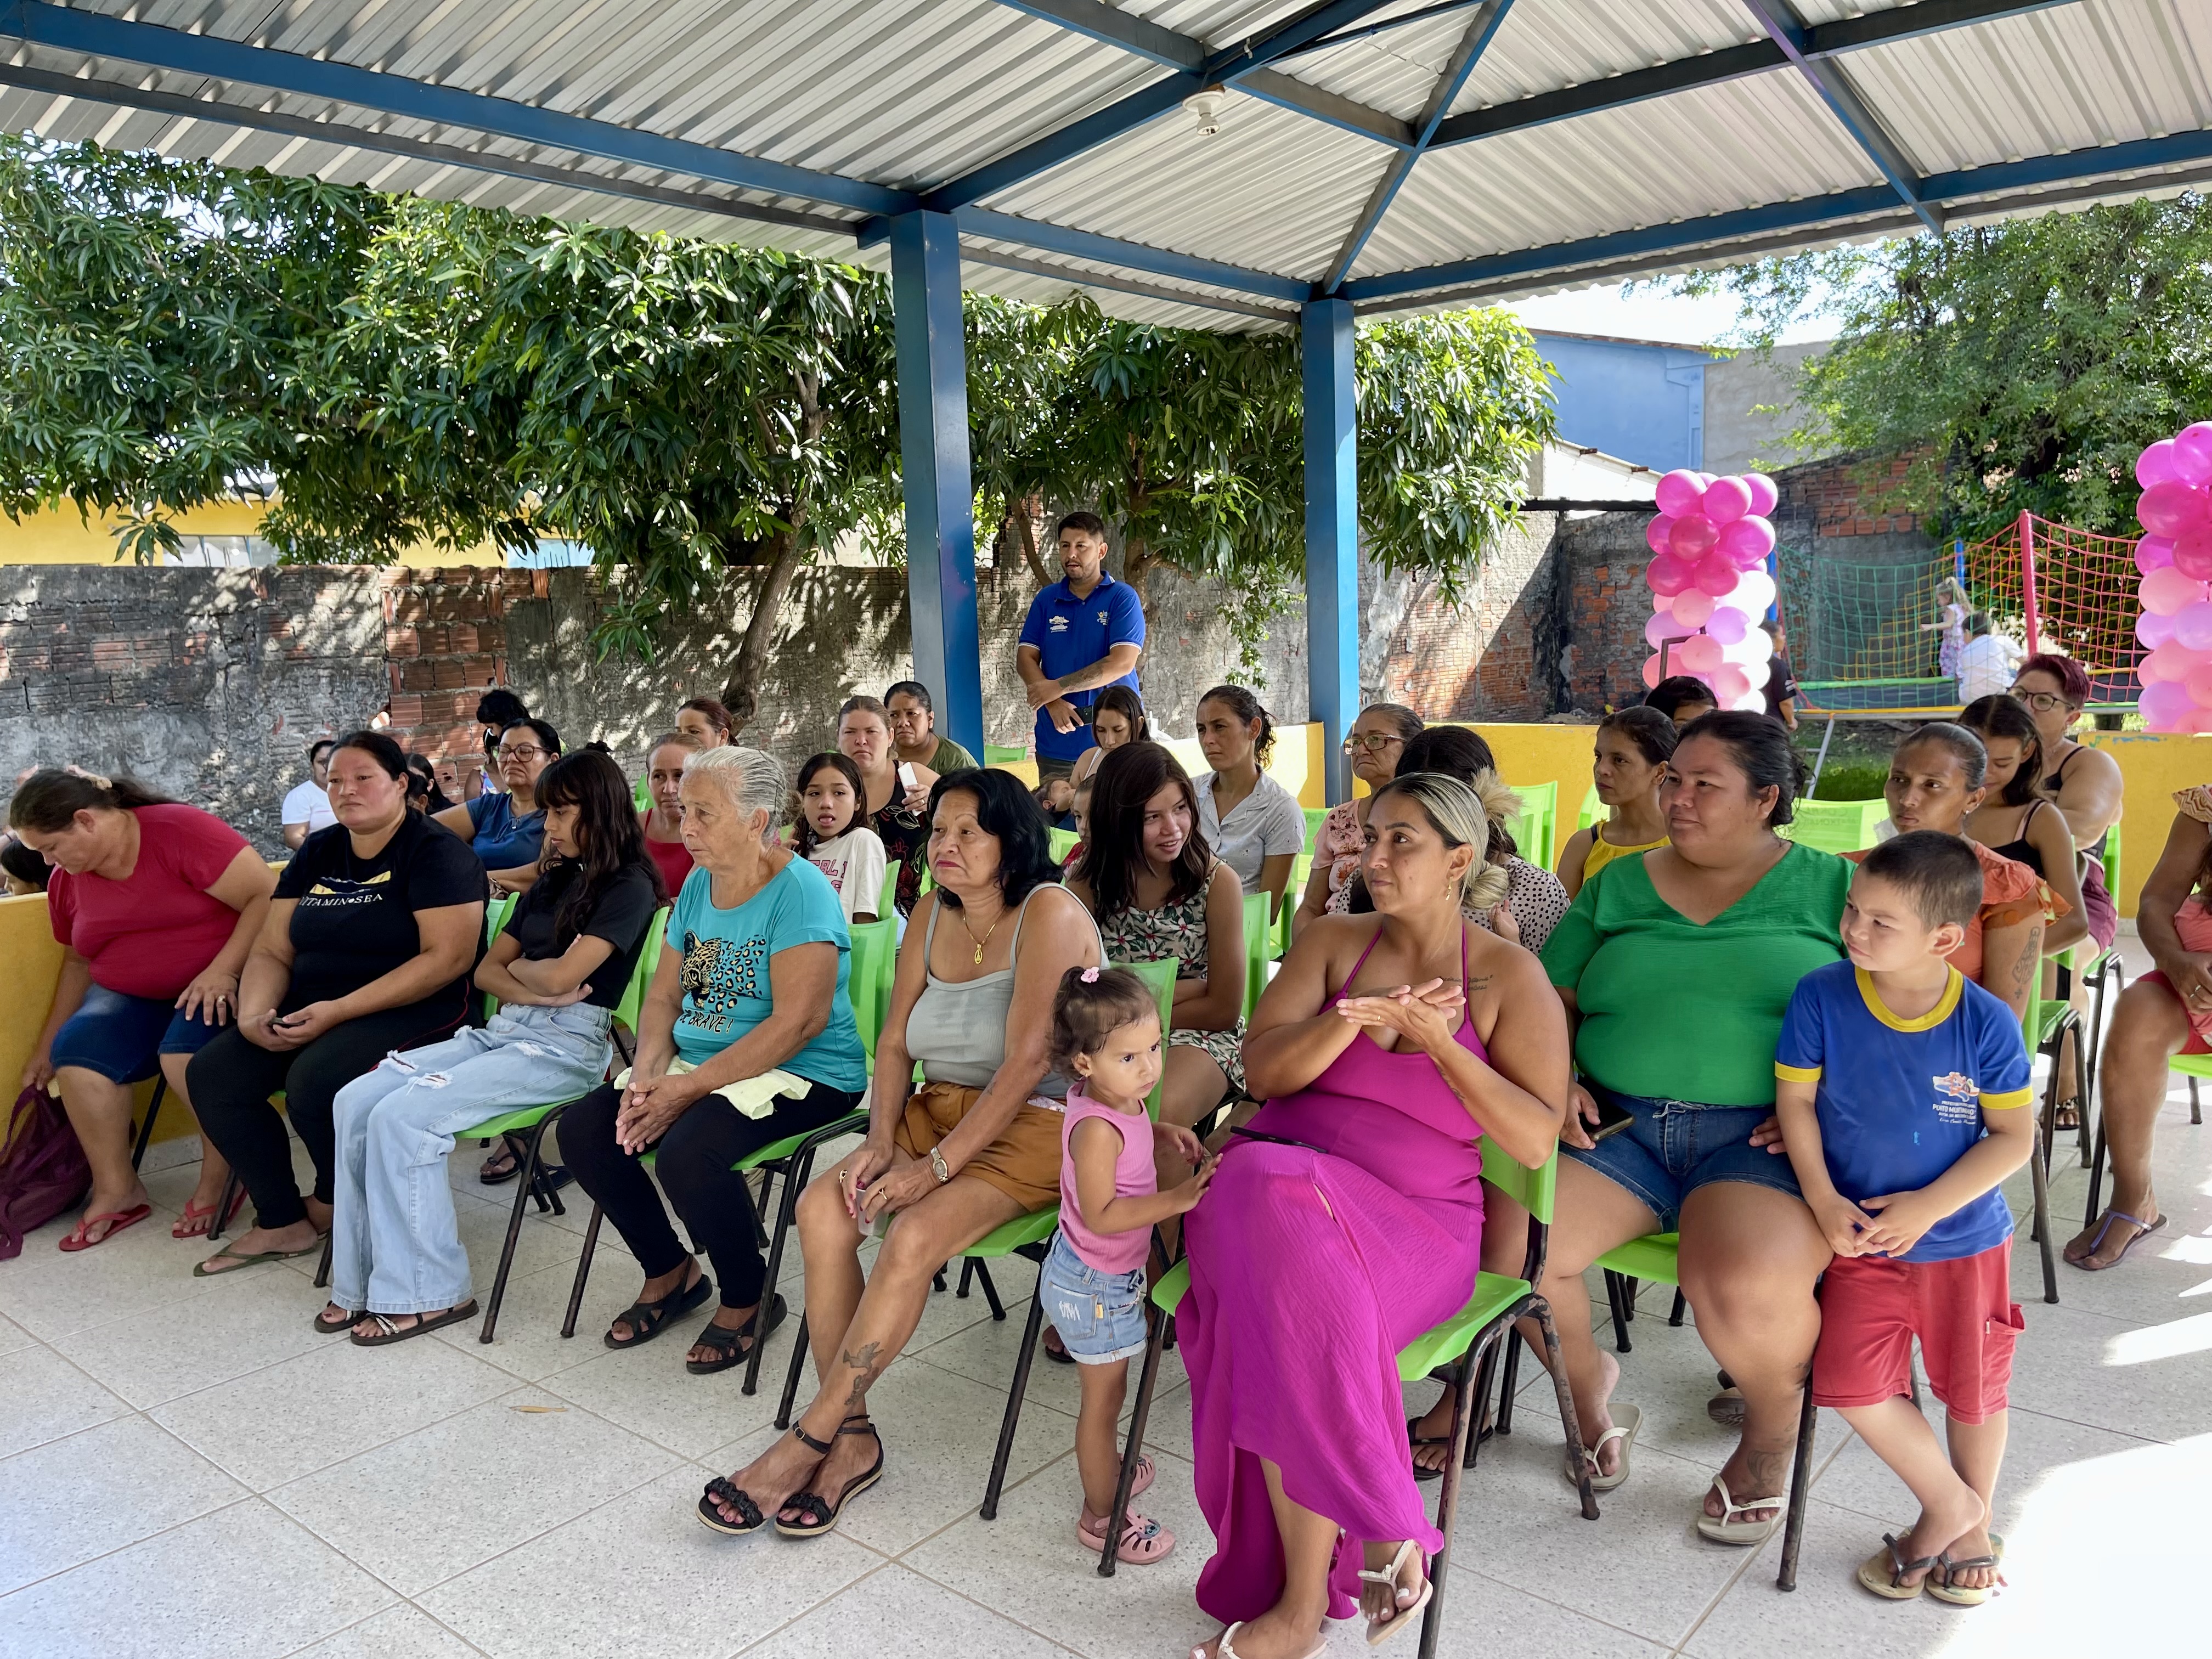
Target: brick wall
{"x":1838,"y":497}
{"x":1488,"y":654}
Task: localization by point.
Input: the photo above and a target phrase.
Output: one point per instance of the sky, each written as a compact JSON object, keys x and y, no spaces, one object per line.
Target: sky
{"x":1648,"y":313}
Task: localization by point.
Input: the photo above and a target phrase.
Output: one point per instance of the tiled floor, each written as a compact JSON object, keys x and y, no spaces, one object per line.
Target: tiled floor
{"x":186,"y":1470}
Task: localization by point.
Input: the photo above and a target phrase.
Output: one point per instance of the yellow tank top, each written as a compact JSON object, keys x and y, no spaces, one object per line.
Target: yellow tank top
{"x":1603,"y":852}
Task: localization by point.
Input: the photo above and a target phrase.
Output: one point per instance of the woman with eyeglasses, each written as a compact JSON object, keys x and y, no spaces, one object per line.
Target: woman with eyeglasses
{"x":1373,"y":746}
{"x":2083,"y":783}
{"x":508,"y":831}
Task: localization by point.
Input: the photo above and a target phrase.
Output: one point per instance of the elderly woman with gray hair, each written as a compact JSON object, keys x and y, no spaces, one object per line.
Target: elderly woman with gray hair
{"x":752,"y":979}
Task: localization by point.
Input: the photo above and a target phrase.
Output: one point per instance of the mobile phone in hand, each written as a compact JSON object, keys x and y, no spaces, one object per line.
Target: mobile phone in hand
{"x":1611,"y":1116}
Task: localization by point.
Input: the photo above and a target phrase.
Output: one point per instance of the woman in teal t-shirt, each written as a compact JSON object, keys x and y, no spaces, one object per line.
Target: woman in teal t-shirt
{"x":1679,"y":964}
{"x":752,"y":978}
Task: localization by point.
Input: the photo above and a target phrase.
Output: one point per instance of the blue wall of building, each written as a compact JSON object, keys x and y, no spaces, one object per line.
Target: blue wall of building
{"x":1639,"y":400}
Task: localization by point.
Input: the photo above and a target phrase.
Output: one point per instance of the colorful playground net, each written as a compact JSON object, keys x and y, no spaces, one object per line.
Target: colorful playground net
{"x":1868,"y":635}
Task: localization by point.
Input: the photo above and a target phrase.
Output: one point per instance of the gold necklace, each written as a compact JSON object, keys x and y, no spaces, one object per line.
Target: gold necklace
{"x":971,"y":931}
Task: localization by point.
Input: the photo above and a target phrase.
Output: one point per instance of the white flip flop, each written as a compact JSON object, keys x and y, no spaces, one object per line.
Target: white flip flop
{"x":1227,"y":1647}
{"x":1626,"y":1420}
{"x":1725,"y":1528}
{"x":1380,"y":1630}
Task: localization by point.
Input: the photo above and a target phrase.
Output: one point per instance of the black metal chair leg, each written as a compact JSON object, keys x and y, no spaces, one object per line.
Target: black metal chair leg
{"x":583,"y":1271}
{"x":1614,"y":1287}
{"x":966,"y":1276}
{"x":222,"y":1203}
{"x":2096,"y":1179}
{"x":795,"y":1175}
{"x":2040,"y":1179}
{"x":146,"y":1129}
{"x":1469,"y":1367}
{"x":527,"y":1151}
{"x":1681,"y":1306}
{"x":1133,"y":1448}
{"x":791,"y":1375}
{"x":1631,"y":1286}
{"x":2196,"y":1106}
{"x":936,"y":1281}
{"x":990,"y":1291}
{"x":1014,"y":1417}
{"x":1801,"y":1480}
{"x":1510,"y":1385}
{"x":323,"y":1268}
{"x":1568,"y":1420}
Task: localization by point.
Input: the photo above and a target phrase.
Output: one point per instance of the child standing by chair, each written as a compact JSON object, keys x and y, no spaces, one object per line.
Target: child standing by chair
{"x":1106,"y":1033}
{"x":1903,"y":1089}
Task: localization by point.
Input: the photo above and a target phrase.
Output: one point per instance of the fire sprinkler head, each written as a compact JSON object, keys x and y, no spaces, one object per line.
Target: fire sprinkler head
{"x":1207,"y":108}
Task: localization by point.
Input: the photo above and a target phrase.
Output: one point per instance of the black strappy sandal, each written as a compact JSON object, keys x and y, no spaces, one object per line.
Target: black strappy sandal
{"x":647,"y":1319}
{"x":728,"y":1342}
{"x":722,"y":1489}
{"x":818,"y":1514}
{"x":338,"y":1327}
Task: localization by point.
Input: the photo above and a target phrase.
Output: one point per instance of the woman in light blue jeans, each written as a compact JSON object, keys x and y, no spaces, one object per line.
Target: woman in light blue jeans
{"x":559,"y":970}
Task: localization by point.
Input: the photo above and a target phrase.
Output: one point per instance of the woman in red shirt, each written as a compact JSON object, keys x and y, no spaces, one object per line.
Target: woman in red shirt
{"x":664,"y":819}
{"x":155,"y":904}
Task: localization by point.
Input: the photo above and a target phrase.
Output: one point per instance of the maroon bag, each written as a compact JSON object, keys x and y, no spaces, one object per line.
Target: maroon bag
{"x":42,"y":1171}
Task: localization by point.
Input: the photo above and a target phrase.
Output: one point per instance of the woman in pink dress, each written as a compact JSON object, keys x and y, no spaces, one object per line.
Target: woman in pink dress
{"x":1347,"y":1219}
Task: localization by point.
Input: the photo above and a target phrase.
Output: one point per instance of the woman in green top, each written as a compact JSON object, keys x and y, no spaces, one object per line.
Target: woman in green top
{"x":1678,"y":965}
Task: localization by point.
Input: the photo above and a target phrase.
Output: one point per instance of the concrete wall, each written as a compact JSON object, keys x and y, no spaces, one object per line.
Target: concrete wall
{"x":1751,"y":403}
{"x":1638,"y":399}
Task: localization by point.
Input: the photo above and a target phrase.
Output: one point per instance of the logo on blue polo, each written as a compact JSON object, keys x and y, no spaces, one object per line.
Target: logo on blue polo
{"x":1957,"y":1098}
{"x":1057,"y":625}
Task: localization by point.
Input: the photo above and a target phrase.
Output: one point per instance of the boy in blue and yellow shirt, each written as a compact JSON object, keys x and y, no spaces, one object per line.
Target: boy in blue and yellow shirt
{"x":1903,"y":1089}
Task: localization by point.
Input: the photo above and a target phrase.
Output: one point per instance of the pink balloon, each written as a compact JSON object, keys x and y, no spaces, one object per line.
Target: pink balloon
{"x":2169,"y":661}
{"x":1660,"y":627}
{"x":1747,"y":540}
{"x":1699,"y":654}
{"x":2199,"y":684}
{"x":2192,"y":626}
{"x":1727,"y":499}
{"x":2192,"y":453}
{"x":1732,"y":683}
{"x":1727,"y":625}
{"x":2169,"y":507}
{"x":2167,"y":591}
{"x":1679,"y":492}
{"x":1765,"y":495}
{"x":1716,"y":577}
{"x":1651,"y":675}
{"x":2153,"y":629}
{"x":1754,"y":593}
{"x":1693,"y":609}
{"x":2155,"y":464}
{"x":1693,"y":537}
{"x":1667,"y":576}
{"x":2165,"y":705}
{"x":2192,"y":553}
{"x":1655,"y":532}
{"x":2154,"y":553}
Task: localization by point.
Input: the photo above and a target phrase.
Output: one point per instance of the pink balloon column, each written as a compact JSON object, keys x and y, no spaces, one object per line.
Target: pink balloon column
{"x":2176,"y":561}
{"x":1709,"y":582}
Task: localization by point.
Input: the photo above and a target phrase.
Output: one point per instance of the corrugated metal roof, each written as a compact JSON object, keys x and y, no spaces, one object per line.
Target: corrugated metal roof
{"x":909,"y":95}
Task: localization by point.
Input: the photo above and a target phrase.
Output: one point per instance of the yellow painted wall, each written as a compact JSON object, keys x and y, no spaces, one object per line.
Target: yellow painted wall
{"x":1296,"y":763}
{"x":1540,"y":754}
{"x":2152,"y":765}
{"x":63,"y":537}
{"x":26,"y":995}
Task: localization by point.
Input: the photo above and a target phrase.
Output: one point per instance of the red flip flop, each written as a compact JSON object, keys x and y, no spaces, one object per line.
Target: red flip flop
{"x":198,"y":1223}
{"x":117,"y":1220}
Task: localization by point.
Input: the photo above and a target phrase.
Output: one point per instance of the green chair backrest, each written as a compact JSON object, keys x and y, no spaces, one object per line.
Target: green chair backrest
{"x":1160,"y":976}
{"x":641,"y":795}
{"x":648,"y":959}
{"x":998,"y":754}
{"x":1594,"y":809}
{"x":1531,"y":829}
{"x":1834,"y":826}
{"x":1257,"y":935}
{"x":1533,"y":1190}
{"x":497,"y":910}
{"x":1062,"y":842}
{"x":1301,"y":873}
{"x":1314,"y":816}
{"x":875,"y":957}
{"x":887,"y":900}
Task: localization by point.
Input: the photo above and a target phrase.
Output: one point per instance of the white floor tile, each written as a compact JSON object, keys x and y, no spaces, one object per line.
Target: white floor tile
{"x":242,"y":1583}
{"x":438,"y":1501}
{"x":46,"y":1397}
{"x":400,"y":1632}
{"x":241,"y":1322}
{"x":326,"y":1405}
{"x":528,"y":1342}
{"x":893,"y":1613}
{"x":71,"y":1500}
{"x":582,"y":1592}
{"x":649,"y":1392}
{"x":51,"y":1294}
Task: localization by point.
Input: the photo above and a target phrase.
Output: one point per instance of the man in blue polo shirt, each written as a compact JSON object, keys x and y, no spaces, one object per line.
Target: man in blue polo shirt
{"x":1083,"y":634}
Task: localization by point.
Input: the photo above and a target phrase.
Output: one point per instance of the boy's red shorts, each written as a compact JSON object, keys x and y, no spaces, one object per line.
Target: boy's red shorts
{"x":1871,"y":1308}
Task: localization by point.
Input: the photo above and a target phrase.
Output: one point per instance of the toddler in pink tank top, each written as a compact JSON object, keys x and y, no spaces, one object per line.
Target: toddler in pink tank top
{"x":1106,"y":1035}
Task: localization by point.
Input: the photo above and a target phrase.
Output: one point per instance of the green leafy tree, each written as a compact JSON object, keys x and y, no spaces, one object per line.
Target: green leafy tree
{"x":2022,"y":365}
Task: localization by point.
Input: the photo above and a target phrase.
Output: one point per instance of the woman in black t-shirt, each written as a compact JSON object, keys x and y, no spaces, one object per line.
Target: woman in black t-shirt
{"x":367,"y":949}
{"x":559,"y":970}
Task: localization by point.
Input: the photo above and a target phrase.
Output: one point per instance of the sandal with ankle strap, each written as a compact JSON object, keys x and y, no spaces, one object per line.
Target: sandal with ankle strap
{"x":724,"y":1490}
{"x":647,"y":1320}
{"x":818,"y":1514}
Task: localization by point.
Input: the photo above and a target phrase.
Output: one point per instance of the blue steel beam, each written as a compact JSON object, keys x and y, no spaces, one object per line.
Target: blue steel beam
{"x":1942,"y":189}
{"x":939,"y":486}
{"x":1481,"y":30}
{"x":1108,"y":250}
{"x":1332,"y":486}
{"x":1787,"y":30}
{"x":156,"y":47}
{"x":1146,"y":104}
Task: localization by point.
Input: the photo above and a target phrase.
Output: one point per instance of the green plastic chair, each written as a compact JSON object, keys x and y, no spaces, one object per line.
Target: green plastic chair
{"x":641,"y":795}
{"x":1258,"y":938}
{"x":1594,"y":810}
{"x":874,"y":962}
{"x":1652,"y":1257}
{"x":1834,"y":826}
{"x":1531,"y":829}
{"x":998,"y":754}
{"x":524,"y":1129}
{"x":1314,"y":816}
{"x":1467,"y":1343}
{"x":1062,"y":842}
{"x":1301,"y":873}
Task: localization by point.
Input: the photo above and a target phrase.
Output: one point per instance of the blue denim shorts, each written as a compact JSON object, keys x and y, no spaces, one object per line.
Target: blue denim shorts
{"x":1100,"y":1316}
{"x":1675,"y":1146}
{"x":122,"y":1037}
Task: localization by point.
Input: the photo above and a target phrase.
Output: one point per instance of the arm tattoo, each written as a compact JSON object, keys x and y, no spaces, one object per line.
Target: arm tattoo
{"x":2030,"y":960}
{"x":865,"y":1369}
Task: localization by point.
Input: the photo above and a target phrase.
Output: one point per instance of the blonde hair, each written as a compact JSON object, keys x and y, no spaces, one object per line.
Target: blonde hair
{"x":752,"y":780}
{"x":1466,"y":816}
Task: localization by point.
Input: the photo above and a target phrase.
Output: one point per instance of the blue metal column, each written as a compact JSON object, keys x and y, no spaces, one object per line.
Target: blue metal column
{"x":1332,"y":532}
{"x":941,"y":495}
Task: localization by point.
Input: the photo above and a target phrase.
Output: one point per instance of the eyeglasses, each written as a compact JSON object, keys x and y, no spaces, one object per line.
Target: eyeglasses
{"x":1374,"y":743}
{"x":2042,"y":702}
{"x":527,"y":751}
